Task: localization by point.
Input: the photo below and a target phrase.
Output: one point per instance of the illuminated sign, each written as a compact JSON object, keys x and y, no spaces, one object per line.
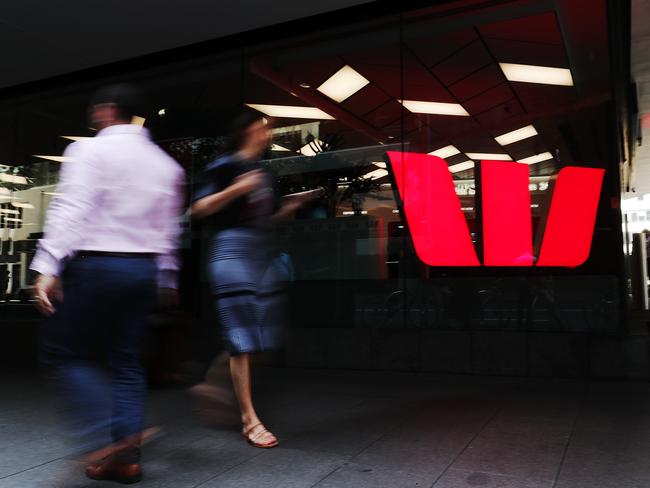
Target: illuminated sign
{"x":439,"y":229}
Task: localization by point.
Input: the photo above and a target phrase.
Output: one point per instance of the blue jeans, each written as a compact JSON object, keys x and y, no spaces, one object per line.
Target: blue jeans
{"x":93,"y":346}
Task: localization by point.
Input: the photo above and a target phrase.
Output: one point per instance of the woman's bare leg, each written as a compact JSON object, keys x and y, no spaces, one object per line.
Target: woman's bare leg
{"x":240,"y":371}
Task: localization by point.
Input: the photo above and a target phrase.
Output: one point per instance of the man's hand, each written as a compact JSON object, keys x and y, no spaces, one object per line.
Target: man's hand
{"x":47,"y":290}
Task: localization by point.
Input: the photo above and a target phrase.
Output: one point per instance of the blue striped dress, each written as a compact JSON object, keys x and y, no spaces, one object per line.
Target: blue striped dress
{"x":246,"y":276}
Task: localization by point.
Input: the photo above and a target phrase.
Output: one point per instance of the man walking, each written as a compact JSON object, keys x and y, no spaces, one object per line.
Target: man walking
{"x":110,"y":237}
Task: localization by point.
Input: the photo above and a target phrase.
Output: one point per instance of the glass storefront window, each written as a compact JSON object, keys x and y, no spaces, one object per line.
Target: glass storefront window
{"x":342,"y":99}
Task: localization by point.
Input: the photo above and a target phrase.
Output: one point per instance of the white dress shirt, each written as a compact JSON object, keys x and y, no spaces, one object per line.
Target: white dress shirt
{"x":118,"y":192}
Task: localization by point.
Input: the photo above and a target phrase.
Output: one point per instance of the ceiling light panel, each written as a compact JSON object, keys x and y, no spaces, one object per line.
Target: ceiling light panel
{"x":464,"y":166}
{"x":56,"y":159}
{"x":445,"y":152}
{"x":528,"y":73}
{"x":516,"y":135}
{"x":76,"y":138}
{"x":538,"y":158}
{"x":489,"y":156}
{"x":435,"y":108}
{"x":343,"y":84}
{"x":290,"y":112}
{"x":278,"y":148}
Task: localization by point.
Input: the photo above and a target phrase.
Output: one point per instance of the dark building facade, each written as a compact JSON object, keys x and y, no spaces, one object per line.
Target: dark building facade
{"x":495,"y":246}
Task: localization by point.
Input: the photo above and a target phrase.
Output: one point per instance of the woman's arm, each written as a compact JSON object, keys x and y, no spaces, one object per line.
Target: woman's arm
{"x":211,"y":204}
{"x":290,"y":203}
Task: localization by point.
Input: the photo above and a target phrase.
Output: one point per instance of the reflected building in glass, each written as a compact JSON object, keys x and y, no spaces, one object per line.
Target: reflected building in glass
{"x":539,"y":88}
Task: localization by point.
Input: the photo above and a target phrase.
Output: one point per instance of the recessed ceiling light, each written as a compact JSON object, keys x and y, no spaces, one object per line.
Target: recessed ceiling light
{"x":76,"y":138}
{"x":489,"y":156}
{"x":162,"y":112}
{"x":545,"y":75}
{"x":343,"y":84}
{"x":305,"y":85}
{"x":464,"y":166}
{"x":56,"y":159}
{"x":538,"y":158}
{"x":277,"y":147}
{"x":516,"y":135}
{"x":290,"y":112}
{"x":436,"y":108}
{"x":445,"y":152}
{"x":15,"y":179}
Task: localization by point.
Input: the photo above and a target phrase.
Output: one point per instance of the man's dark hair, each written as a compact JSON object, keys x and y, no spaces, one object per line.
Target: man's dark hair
{"x":127,"y":99}
{"x":239,"y":126}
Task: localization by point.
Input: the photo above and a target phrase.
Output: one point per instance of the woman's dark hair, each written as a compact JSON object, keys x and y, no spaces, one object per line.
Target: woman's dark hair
{"x":239,"y":126}
{"x":126,"y":98}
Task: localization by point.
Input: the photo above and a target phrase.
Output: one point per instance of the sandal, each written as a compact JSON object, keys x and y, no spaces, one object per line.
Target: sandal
{"x":253,"y":439}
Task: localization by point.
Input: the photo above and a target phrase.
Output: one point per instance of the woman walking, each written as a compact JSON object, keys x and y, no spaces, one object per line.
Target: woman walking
{"x":237,"y":200}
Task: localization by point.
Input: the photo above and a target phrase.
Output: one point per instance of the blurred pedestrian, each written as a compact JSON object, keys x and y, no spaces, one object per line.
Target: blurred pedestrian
{"x":110,"y":240}
{"x":236,"y":198}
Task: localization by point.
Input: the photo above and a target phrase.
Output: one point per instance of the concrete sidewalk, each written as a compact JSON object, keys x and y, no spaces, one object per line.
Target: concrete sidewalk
{"x":358,"y":429}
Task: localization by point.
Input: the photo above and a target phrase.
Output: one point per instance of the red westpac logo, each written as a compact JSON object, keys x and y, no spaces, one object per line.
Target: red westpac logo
{"x":439,"y":229}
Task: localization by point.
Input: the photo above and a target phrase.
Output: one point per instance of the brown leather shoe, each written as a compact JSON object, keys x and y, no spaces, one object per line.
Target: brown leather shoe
{"x":114,"y":470}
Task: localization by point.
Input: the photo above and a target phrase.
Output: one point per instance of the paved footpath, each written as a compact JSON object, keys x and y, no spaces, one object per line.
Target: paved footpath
{"x":369,"y":429}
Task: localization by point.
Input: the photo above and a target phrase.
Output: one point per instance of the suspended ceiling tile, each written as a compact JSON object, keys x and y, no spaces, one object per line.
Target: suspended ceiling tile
{"x":424,"y":92}
{"x":478,"y":142}
{"x":497,"y":116}
{"x":540,"y":98}
{"x":387,"y":114}
{"x":365,"y":100}
{"x":313,"y":72}
{"x":409,"y":124}
{"x":478,"y":82}
{"x":412,"y":122}
{"x":387,"y":54}
{"x":384,"y":77}
{"x":450,"y":126}
{"x":258,"y":90}
{"x":431,"y":50}
{"x":463,"y":63}
{"x":508,"y":51}
{"x":418,"y":84}
{"x":541,"y":28}
{"x":489,"y":99}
